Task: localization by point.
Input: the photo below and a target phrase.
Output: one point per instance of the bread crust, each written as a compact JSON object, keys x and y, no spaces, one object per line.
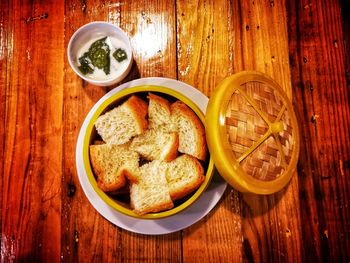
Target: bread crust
{"x":99,"y":172}
{"x":139,"y":109}
{"x":160,"y":100}
{"x":131,"y":176}
{"x":111,"y":187}
{"x":159,"y":112}
{"x":172,"y":154}
{"x":181,"y":108}
{"x":190,"y":188}
{"x":154,"y":209}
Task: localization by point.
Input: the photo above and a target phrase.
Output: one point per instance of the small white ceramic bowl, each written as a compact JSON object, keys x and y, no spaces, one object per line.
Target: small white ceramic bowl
{"x":95,"y":30}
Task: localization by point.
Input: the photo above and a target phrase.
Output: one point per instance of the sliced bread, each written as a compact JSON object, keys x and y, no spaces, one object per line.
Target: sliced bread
{"x":184,"y":175}
{"x":191,"y":131}
{"x":111,"y":163}
{"x":151,"y":193}
{"x":122,"y":123}
{"x":159,"y":113}
{"x":155,"y":144}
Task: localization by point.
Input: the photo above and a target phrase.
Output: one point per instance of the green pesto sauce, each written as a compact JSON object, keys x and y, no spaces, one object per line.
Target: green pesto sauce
{"x":85,"y":64}
{"x":120,"y":55}
{"x":98,"y":56}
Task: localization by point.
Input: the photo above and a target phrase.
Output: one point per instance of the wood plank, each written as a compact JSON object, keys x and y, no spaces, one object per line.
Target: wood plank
{"x":205,"y":58}
{"x":151,"y":27}
{"x":85,"y":234}
{"x":322,"y":93}
{"x":271,"y":224}
{"x":204,"y":54}
{"x":345,"y":8}
{"x":154,"y":55}
{"x":32,"y":140}
{"x":5,"y":38}
{"x":259,"y":42}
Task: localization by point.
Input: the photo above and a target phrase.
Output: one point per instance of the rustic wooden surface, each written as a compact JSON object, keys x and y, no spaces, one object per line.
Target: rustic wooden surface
{"x":303,"y":45}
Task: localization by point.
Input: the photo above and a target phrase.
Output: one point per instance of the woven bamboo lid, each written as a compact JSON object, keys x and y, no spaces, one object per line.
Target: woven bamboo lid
{"x":252,"y":133}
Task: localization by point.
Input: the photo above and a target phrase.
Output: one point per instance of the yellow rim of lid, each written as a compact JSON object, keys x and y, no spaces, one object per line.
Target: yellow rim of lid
{"x":225,"y":160}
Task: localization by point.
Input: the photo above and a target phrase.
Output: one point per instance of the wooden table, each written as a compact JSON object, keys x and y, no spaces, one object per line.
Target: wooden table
{"x":303,"y":45}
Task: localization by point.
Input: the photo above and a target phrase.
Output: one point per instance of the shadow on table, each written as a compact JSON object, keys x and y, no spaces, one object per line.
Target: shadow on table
{"x":253,"y":205}
{"x":244,"y":205}
{"x":236,"y":205}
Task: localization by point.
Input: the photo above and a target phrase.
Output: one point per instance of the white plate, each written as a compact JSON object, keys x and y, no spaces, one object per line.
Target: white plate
{"x":146,"y":226}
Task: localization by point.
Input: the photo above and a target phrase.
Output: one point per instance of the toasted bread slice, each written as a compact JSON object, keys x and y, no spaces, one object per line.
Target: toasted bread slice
{"x":184,"y":175}
{"x":155,"y":144}
{"x":111,"y":163}
{"x":159,"y":113}
{"x":122,"y":123}
{"x":191,"y":131}
{"x":151,"y":193}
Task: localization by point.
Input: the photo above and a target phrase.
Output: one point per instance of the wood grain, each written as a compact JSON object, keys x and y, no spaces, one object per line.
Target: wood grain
{"x":345,"y":8}
{"x":322,"y":101}
{"x":259,"y":43}
{"x":86,"y":235}
{"x":5,"y":38}
{"x":204,"y":60}
{"x":32,"y":118}
{"x":270,"y":224}
{"x":151,"y":27}
{"x":149,"y":48}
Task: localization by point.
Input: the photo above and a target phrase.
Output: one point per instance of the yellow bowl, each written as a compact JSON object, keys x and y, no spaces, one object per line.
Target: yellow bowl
{"x":90,"y":135}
